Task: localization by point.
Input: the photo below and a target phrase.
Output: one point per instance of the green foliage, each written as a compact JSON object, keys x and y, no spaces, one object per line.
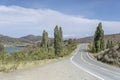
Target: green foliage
{"x":119,"y":45}
{"x":1,"y":48}
{"x":5,"y":58}
{"x":69,"y":47}
{"x":98,"y":44}
{"x":110,"y":56}
{"x":45,"y":41}
{"x":58,"y":40}
{"x":34,"y":52}
{"x":40,"y":54}
{"x":19,"y":56}
{"x":109,"y":44}
{"x":70,"y":41}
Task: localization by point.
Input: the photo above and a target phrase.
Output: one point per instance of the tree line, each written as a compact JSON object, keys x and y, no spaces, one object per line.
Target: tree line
{"x":58,"y":40}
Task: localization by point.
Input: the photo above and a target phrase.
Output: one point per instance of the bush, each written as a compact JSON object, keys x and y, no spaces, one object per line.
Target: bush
{"x":19,"y":56}
{"x":5,"y":58}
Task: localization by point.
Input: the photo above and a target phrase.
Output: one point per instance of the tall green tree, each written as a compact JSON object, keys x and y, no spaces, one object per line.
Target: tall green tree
{"x":108,"y":44}
{"x":98,"y":43}
{"x":45,"y":40}
{"x":58,"y":40}
{"x":1,"y":47}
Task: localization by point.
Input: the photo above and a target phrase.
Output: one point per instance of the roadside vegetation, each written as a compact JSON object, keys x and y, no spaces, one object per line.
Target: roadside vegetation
{"x":45,"y":50}
{"x":104,"y":51}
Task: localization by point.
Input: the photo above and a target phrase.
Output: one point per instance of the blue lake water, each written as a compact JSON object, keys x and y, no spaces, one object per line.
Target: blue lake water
{"x":13,"y":49}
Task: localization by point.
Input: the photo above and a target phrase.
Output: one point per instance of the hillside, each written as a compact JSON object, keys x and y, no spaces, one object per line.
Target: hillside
{"x":22,"y":41}
{"x":31,"y":38}
{"x":113,"y":37}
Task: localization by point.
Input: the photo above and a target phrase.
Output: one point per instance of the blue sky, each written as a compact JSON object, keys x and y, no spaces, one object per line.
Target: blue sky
{"x":22,"y":17}
{"x":95,"y":9}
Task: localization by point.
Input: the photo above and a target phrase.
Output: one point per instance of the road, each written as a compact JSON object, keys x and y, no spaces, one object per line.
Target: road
{"x":100,"y":70}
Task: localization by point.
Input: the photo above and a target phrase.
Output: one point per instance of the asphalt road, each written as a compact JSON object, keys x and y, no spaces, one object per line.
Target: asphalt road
{"x":100,"y":70}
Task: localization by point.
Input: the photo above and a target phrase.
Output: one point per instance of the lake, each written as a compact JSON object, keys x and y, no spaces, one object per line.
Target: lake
{"x":12,"y":49}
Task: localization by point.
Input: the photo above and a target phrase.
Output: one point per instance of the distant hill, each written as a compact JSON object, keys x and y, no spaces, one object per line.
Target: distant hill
{"x":22,"y":41}
{"x":32,"y":38}
{"x":113,"y":37}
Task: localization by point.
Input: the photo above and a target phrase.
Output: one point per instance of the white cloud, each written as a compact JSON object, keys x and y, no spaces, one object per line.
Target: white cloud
{"x":20,"y":21}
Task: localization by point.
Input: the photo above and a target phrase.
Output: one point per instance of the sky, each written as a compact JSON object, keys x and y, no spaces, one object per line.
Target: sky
{"x":78,"y":18}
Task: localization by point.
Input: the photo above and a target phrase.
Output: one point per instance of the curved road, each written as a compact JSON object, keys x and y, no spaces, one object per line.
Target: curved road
{"x":100,"y":70}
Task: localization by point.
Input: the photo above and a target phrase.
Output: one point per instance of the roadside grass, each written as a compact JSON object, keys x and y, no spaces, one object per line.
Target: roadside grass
{"x":12,"y":66}
{"x":23,"y":63}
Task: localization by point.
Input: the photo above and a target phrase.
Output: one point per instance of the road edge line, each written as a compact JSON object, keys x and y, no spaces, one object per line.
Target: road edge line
{"x":71,"y":59}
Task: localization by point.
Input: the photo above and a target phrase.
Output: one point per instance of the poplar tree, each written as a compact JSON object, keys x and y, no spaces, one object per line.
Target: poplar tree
{"x":98,"y":44}
{"x":45,"y":40}
{"x":108,"y":44}
{"x":58,"y":40}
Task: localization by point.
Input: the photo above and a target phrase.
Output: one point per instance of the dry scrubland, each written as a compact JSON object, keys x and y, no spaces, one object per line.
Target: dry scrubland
{"x":109,"y":56}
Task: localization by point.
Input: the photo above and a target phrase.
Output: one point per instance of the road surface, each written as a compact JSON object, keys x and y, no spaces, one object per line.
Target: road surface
{"x":100,"y":70}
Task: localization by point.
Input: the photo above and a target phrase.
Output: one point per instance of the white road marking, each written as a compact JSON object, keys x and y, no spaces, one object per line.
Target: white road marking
{"x":105,"y":69}
{"x":71,"y":59}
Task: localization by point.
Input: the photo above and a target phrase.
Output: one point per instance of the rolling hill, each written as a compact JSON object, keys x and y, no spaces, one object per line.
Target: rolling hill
{"x":22,"y":41}
{"x":112,"y":37}
{"x":31,"y":39}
